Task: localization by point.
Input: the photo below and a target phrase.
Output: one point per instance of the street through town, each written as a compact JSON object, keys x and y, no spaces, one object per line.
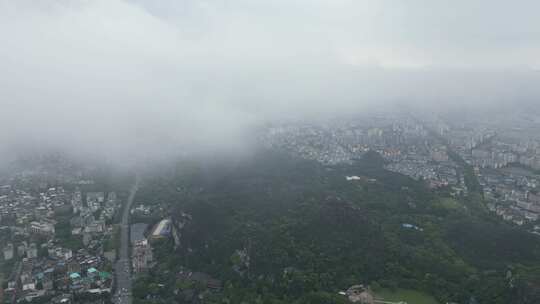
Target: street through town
{"x":122,"y":266}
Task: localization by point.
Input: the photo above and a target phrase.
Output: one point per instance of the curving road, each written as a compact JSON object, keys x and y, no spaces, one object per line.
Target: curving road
{"x":122,"y":268}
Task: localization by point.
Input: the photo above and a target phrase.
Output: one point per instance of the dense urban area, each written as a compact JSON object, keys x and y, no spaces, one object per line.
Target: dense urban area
{"x":381,"y":208}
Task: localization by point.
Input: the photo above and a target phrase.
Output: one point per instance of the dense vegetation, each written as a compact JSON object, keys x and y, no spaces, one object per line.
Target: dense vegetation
{"x":280,"y":230}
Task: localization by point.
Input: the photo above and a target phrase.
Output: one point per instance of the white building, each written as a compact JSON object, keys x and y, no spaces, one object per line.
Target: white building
{"x":42,"y":228}
{"x":142,"y":255}
{"x":8,"y":252}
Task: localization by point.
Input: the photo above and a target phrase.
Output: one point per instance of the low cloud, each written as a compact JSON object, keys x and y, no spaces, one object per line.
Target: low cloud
{"x":142,"y":79}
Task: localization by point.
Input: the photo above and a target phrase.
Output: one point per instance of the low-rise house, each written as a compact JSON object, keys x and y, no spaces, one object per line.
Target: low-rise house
{"x":360,"y":294}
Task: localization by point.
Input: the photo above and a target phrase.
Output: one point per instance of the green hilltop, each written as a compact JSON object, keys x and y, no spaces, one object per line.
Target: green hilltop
{"x":275,"y":229}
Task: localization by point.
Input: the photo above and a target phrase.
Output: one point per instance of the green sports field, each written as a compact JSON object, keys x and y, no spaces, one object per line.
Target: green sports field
{"x":406,"y":295}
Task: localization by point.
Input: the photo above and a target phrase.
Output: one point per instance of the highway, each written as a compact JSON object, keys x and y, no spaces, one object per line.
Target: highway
{"x":122,"y":268}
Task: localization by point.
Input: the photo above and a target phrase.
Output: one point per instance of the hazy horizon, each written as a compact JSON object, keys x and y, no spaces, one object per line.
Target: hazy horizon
{"x":143,"y":79}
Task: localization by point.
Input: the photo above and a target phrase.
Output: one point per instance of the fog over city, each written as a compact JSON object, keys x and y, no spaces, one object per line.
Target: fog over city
{"x":270,"y":151}
{"x":131,"y":79}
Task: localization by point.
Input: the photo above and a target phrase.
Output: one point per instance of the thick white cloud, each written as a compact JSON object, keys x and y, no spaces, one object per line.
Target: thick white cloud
{"x":463,"y":33}
{"x":131,"y":78}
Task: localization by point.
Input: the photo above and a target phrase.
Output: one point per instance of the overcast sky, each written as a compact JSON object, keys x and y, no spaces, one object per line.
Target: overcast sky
{"x":111,"y":77}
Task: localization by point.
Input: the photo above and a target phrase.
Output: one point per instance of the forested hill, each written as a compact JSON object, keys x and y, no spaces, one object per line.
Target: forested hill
{"x":285,"y":230}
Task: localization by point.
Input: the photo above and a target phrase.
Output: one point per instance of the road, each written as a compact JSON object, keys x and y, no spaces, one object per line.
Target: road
{"x":122,"y":268}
